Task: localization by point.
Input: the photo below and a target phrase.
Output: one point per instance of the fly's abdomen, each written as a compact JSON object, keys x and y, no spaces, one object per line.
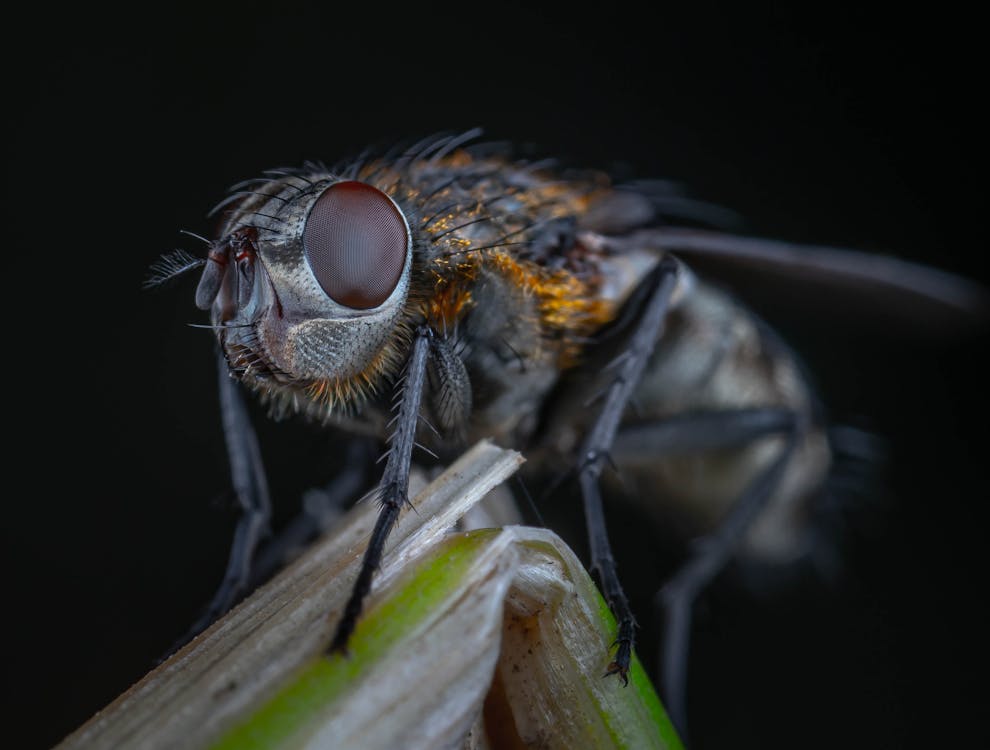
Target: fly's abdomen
{"x":716,"y":359}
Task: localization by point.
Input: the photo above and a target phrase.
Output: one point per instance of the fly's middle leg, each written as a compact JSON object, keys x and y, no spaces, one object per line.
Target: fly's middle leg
{"x":598,"y":442}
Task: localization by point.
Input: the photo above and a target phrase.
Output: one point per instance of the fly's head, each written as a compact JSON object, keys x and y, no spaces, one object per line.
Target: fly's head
{"x":307,"y":287}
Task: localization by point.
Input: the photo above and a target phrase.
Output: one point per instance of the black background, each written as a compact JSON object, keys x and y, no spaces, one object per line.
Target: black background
{"x":849,"y":127}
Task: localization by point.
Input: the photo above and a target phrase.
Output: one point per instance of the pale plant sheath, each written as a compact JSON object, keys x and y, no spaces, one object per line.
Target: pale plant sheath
{"x":483,"y":638}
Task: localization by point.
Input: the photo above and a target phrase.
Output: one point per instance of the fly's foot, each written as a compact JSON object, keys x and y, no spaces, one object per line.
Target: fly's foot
{"x":623,"y":654}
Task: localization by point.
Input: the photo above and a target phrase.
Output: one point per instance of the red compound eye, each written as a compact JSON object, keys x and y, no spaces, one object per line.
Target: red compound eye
{"x":355,"y":241}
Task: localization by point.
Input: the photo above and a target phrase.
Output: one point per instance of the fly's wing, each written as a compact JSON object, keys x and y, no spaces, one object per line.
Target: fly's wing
{"x":886,"y":290}
{"x":880,"y":291}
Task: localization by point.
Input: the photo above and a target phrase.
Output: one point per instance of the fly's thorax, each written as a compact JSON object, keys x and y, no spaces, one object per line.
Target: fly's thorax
{"x":313,"y":295}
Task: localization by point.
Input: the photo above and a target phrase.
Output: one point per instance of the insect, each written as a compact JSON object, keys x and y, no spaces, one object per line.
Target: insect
{"x":445,"y":292}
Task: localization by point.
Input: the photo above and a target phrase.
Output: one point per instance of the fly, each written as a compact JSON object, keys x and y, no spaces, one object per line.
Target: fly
{"x":447,"y":285}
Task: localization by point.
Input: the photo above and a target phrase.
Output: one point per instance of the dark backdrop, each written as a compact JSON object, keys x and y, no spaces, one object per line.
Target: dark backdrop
{"x":847,"y":127}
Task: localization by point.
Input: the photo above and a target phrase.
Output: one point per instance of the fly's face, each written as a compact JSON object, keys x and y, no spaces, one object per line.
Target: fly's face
{"x":307,"y":285}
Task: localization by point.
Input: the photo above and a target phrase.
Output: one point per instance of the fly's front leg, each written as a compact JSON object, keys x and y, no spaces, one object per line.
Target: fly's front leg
{"x":595,"y":450}
{"x":393,"y":491}
{"x":250,"y":485}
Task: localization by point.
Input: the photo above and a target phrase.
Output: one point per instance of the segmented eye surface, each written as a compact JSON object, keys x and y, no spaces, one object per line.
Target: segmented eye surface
{"x":355,"y":240}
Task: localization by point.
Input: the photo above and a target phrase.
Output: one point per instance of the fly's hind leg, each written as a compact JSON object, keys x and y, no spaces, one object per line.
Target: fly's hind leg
{"x":696,"y":433}
{"x":594,"y":453}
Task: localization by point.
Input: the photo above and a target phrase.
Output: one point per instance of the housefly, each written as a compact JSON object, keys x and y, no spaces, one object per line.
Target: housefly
{"x":445,"y":292}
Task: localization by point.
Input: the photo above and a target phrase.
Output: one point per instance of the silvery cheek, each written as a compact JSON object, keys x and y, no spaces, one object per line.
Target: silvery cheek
{"x":338,"y":349}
